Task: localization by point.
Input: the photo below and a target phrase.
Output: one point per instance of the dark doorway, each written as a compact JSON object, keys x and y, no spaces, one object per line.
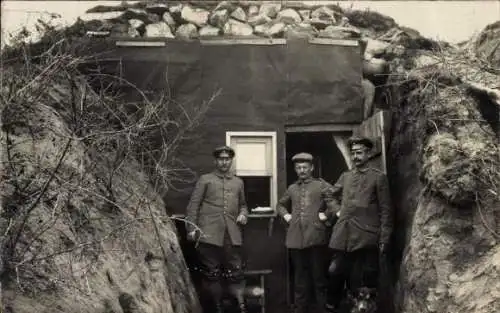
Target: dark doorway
{"x":329,"y":164}
{"x":328,"y":160}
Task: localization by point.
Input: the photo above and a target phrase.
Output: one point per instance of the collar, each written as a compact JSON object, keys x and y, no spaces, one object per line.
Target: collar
{"x":227,"y":175}
{"x":304,"y":181}
{"x":363,"y":169}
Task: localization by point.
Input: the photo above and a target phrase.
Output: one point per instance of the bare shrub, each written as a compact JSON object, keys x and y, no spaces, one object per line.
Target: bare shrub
{"x":82,"y":174}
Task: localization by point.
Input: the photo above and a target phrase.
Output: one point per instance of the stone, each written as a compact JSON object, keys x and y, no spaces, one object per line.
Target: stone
{"x":160,"y":29}
{"x":135,"y":23}
{"x":319,"y":23}
{"x":325,"y":14}
{"x":153,"y":18}
{"x":273,"y":29}
{"x":176,"y":9}
{"x":289,"y":16}
{"x":239,"y":14}
{"x":338,"y":32}
{"x":237,"y":28}
{"x":140,"y":15}
{"x":305,"y":14}
{"x":225,"y":5}
{"x":253,"y":10}
{"x":167,"y":18}
{"x":102,"y":16}
{"x":187,"y":31}
{"x":133,"y":32}
{"x":157,"y":8}
{"x":375,"y":66}
{"x":176,"y":12}
{"x":302,"y":30}
{"x":209,"y":31}
{"x":196,"y":16}
{"x":270,"y":9}
{"x":219,"y":18}
{"x":344,"y":21}
{"x":375,"y":47}
{"x":259,"y":20}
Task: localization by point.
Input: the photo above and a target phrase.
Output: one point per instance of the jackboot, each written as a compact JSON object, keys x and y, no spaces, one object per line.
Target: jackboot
{"x":243,"y":308}
{"x":330,"y":308}
{"x":219,"y":307}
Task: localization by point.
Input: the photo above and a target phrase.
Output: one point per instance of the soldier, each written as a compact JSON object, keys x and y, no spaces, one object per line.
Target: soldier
{"x":217,"y":206}
{"x":361,"y":233}
{"x":306,"y":237}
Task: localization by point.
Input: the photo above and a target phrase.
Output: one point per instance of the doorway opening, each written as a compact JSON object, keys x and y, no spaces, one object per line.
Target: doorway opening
{"x":329,"y":164}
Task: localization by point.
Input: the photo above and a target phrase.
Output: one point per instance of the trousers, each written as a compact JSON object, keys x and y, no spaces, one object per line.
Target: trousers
{"x":310,"y":279}
{"x":359,"y":268}
{"x":221,"y":265}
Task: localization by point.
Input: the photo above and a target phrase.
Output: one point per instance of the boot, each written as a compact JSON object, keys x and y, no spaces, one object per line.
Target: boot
{"x":219,"y":307}
{"x":243,"y":308}
{"x":330,"y":308}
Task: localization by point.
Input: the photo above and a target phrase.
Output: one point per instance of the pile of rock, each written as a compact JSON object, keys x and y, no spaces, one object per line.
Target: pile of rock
{"x":187,"y":21}
{"x":240,"y":19}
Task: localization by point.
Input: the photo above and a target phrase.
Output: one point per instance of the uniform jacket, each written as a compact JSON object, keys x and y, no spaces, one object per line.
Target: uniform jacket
{"x":306,"y":199}
{"x":365,"y":212}
{"x":215,"y":204}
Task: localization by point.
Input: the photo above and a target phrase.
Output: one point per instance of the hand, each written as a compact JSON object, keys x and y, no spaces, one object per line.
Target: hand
{"x":322,"y":216}
{"x":382,"y":249}
{"x":287,"y":217}
{"x":192,"y":236}
{"x":242,"y":219}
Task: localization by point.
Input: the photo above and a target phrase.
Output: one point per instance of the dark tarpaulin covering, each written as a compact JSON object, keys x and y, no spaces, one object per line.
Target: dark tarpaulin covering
{"x":314,"y":83}
{"x":324,"y":83}
{"x":173,"y":71}
{"x":252,"y":83}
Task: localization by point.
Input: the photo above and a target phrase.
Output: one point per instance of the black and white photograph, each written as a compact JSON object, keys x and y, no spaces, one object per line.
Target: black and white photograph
{"x":284,"y":156}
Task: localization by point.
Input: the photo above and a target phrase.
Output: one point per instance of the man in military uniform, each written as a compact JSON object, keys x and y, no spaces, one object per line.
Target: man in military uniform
{"x":308,"y":199}
{"x":216,"y":209}
{"x":361,"y":233}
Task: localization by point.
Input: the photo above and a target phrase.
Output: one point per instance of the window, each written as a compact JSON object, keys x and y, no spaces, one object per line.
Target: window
{"x":255,"y":164}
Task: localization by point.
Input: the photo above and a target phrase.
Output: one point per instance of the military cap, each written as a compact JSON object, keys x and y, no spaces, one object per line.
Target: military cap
{"x":219,"y":150}
{"x":302,"y":157}
{"x":361,"y":141}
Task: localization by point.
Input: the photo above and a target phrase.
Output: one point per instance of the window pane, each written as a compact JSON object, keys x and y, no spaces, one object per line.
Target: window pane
{"x":251,"y":157}
{"x":257,"y":192}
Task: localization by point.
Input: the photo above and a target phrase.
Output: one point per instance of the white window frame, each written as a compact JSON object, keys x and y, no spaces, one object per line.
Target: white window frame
{"x":274,"y":157}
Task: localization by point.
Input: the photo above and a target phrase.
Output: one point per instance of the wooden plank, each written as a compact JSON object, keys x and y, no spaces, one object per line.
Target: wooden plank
{"x":334,"y":42}
{"x":128,"y":43}
{"x":243,"y":41}
{"x":156,"y":42}
{"x":377,"y":127}
{"x":321,"y":128}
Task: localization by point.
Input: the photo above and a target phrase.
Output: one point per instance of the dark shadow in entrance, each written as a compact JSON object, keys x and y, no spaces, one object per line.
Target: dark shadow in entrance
{"x":329,"y":164}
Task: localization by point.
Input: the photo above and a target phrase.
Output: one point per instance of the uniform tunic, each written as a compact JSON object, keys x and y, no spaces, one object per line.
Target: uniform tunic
{"x":306,"y":198}
{"x":215,"y":204}
{"x":365,"y":219}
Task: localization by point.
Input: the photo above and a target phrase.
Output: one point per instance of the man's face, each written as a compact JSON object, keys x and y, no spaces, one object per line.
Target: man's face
{"x":304,"y":169}
{"x":359,"y":154}
{"x":223,"y":162}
